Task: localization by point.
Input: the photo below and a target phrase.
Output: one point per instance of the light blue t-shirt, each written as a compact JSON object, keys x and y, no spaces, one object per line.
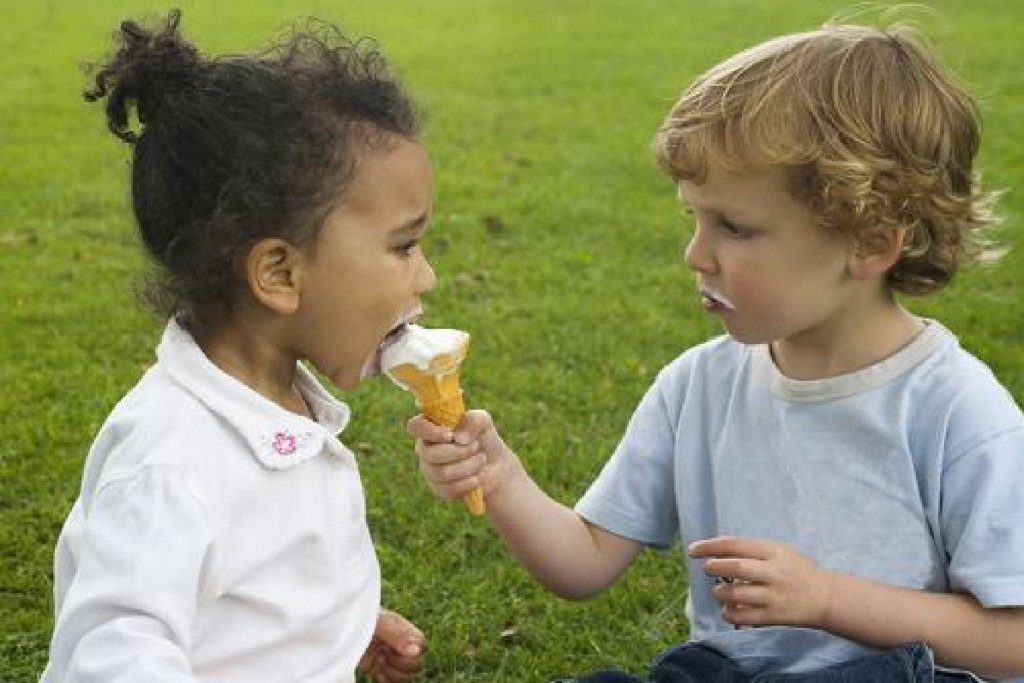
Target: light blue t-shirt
{"x":909,"y":472}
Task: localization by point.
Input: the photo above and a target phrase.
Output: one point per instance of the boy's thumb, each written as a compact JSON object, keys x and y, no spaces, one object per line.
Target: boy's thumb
{"x":419,"y":427}
{"x":472,"y":426}
{"x":476,"y":422}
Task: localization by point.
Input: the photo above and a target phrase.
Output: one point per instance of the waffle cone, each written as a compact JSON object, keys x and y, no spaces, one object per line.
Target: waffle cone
{"x":439,"y":395}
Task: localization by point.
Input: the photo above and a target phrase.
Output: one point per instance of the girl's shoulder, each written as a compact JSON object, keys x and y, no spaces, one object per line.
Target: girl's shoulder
{"x":157,"y":424}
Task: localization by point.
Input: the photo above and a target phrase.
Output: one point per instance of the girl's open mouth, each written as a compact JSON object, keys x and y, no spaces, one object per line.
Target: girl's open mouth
{"x":372,"y":367}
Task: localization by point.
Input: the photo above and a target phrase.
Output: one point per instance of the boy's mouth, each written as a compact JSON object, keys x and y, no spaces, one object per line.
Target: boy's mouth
{"x":372,"y":367}
{"x":713,"y":301}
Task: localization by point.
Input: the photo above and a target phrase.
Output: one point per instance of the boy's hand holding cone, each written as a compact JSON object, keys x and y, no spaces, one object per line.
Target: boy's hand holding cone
{"x":426,"y":362}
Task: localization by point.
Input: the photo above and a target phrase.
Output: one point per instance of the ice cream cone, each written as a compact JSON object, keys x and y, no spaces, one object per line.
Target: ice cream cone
{"x":439,"y":395}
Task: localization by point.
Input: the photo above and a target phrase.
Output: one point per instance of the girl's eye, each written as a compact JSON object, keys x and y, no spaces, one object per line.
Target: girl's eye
{"x":407,"y":247}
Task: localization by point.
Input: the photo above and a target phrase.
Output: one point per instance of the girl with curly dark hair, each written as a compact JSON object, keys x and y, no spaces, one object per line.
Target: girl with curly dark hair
{"x":220,"y":531}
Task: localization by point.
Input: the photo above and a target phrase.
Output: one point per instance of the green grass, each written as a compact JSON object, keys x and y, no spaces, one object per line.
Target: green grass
{"x":556,"y":242}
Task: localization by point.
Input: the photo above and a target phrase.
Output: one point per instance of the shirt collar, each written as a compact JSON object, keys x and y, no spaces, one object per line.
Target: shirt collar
{"x":277,"y":437}
{"x":932,"y":337}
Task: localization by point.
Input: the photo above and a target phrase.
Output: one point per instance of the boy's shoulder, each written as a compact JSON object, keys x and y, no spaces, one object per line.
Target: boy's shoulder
{"x":723,"y":354}
{"x":954,"y":388}
{"x":702,"y":371}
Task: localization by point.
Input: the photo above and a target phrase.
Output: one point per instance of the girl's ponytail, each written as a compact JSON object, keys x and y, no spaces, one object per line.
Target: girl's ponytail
{"x":146,"y":67}
{"x":233,"y":149}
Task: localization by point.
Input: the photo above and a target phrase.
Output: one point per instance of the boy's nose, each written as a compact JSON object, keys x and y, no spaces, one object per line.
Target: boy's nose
{"x":697,"y":255}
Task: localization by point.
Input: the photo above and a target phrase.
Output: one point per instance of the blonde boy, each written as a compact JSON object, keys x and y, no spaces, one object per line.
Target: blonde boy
{"x":846,"y":478}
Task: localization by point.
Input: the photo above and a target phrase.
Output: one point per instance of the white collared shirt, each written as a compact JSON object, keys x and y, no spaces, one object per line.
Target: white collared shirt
{"x":217,"y":537}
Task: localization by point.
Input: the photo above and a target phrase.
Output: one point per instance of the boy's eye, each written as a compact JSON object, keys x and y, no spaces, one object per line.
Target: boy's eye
{"x":732,"y":229}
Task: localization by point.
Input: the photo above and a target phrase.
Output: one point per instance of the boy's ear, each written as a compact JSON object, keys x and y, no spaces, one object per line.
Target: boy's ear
{"x":273,"y":273}
{"x":876,"y":252}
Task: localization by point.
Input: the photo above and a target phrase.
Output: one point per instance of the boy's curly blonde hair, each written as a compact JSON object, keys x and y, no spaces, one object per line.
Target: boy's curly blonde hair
{"x":872,"y":133}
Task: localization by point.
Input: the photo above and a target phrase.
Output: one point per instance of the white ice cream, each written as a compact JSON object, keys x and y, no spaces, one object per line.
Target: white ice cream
{"x":419,"y":345}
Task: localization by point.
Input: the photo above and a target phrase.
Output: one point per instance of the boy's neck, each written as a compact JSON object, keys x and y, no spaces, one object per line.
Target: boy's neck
{"x":845,"y":345}
{"x":256,"y":360}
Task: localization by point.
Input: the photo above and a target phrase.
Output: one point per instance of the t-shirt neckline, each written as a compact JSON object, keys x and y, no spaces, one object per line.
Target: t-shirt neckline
{"x":927,"y":341}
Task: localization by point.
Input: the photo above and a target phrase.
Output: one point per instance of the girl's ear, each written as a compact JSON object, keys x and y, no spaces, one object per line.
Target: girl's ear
{"x":273,"y":274}
{"x":876,"y":252}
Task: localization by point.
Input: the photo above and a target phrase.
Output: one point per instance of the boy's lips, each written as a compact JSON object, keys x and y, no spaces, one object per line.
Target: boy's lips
{"x":715,"y":302}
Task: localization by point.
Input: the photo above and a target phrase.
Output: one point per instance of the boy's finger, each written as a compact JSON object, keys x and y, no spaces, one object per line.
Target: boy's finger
{"x":742,"y":593}
{"x":452,"y":480}
{"x":753,"y":571}
{"x":423,"y":429}
{"x":731,"y":546}
{"x":470,"y":467}
{"x":436,"y":455}
{"x":456,"y":489}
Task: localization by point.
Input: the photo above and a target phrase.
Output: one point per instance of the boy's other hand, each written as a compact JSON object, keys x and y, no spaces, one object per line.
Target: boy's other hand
{"x":456,"y":461}
{"x":395,"y":653}
{"x":766,"y":582}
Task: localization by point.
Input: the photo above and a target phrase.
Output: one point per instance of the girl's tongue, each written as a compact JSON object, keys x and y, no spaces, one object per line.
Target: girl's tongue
{"x":372,"y":367}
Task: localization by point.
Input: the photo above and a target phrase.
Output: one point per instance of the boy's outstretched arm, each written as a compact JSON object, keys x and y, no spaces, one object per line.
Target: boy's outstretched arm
{"x":779,"y":586}
{"x":567,"y":554}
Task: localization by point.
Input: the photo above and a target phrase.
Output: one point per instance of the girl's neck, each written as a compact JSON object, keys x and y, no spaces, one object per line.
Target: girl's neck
{"x":257,"y":360}
{"x":846,"y":344}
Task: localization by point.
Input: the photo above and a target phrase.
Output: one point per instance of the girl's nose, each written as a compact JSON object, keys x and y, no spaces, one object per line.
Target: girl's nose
{"x":427,"y":278}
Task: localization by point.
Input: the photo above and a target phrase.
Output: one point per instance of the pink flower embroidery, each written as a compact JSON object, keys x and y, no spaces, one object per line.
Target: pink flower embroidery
{"x":284,"y":443}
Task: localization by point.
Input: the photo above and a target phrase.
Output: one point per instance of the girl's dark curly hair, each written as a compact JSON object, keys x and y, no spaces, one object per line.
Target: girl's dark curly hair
{"x":234,"y":149}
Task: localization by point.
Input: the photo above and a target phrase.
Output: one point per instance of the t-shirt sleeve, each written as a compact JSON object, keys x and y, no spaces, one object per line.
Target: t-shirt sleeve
{"x":982,"y":517}
{"x":128,"y":614}
{"x":634,"y":495}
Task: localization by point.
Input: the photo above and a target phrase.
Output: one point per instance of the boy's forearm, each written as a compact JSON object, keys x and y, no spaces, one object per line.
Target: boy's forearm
{"x":553,"y":542}
{"x":961,"y":632}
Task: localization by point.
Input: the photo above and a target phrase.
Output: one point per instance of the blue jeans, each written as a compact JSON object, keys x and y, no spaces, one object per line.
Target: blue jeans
{"x":695,"y":663}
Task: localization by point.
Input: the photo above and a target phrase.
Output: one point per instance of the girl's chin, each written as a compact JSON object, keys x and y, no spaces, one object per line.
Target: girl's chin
{"x":342,"y":377}
{"x":345,"y":381}
{"x":372,"y":366}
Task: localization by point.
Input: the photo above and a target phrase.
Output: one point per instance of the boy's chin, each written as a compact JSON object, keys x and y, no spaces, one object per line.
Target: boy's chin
{"x":746,"y":336}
